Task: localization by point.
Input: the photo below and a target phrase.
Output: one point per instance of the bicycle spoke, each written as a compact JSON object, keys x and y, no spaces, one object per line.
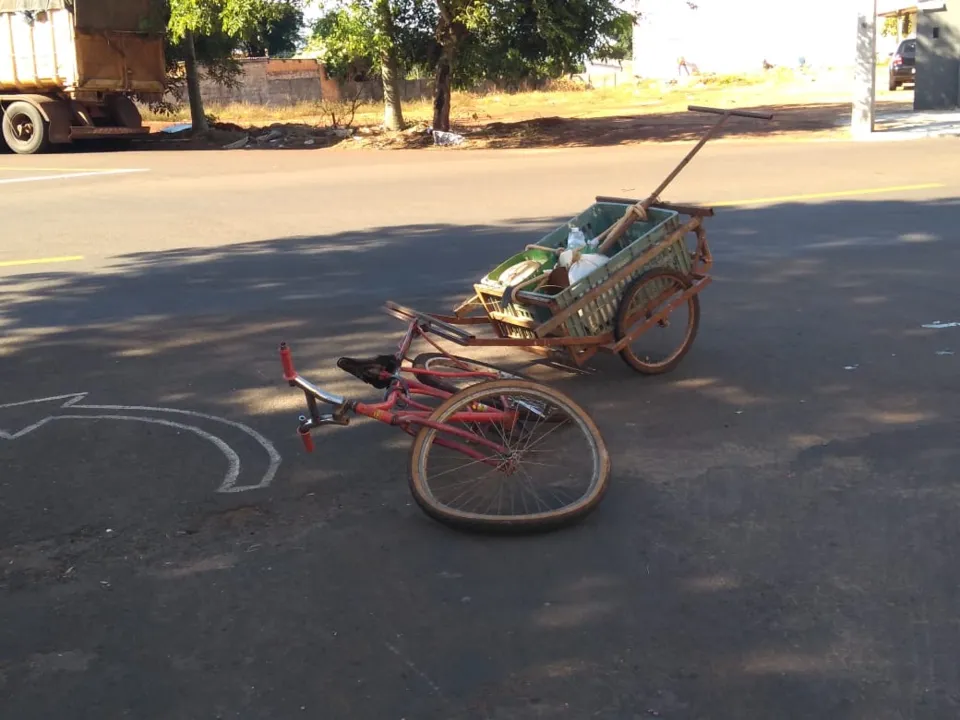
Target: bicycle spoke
{"x":463,"y":467}
{"x":549,"y":432}
{"x":533,"y":490}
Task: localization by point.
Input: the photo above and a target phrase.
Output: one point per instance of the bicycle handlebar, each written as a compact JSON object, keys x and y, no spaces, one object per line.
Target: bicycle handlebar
{"x":736,"y":113}
{"x":307,"y":440}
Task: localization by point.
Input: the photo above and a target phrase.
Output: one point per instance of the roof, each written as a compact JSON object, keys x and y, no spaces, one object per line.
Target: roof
{"x":895,"y":7}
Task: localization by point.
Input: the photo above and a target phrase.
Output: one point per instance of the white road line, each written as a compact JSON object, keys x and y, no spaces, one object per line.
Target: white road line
{"x":69,"y":176}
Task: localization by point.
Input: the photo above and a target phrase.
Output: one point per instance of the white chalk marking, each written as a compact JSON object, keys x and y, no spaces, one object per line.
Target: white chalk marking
{"x":422,"y":675}
{"x":941,"y":325}
{"x":272,"y":453}
{"x":229,"y":484}
{"x":233,"y":460}
{"x":70,"y":400}
{"x":68,"y":176}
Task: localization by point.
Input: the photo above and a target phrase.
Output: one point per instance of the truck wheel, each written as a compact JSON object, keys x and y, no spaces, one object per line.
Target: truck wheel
{"x":24,"y":129}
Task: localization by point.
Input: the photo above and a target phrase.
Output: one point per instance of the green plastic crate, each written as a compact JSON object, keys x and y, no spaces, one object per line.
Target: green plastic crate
{"x":598,"y":316}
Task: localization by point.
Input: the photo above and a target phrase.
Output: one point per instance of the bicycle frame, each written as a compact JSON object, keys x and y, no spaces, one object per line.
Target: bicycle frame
{"x":399,"y":408}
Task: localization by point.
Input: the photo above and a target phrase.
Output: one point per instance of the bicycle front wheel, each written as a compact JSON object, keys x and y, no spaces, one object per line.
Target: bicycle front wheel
{"x":551,"y":466}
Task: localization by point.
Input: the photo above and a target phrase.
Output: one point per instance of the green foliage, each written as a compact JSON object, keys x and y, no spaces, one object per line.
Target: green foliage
{"x":348,"y":39}
{"x":534,"y":39}
{"x":344,"y":40}
{"x":276,"y":32}
{"x":617,"y":38}
{"x":904,"y":24}
{"x":269,"y":26}
{"x":221,"y":28}
{"x":508,"y":41}
{"x":240,"y":19}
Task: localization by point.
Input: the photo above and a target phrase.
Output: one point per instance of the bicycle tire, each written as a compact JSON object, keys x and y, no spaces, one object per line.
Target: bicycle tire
{"x":468,"y":398}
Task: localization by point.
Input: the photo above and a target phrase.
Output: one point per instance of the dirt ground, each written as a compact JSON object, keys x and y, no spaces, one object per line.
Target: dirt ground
{"x":804,"y":106}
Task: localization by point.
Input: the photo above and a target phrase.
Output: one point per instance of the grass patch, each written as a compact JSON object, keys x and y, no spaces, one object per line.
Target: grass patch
{"x":569,"y":100}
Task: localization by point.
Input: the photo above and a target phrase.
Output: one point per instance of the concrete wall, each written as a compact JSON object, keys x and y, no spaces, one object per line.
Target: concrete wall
{"x":410,"y":90}
{"x":288,"y":82}
{"x":267,"y":81}
{"x":938,"y":59}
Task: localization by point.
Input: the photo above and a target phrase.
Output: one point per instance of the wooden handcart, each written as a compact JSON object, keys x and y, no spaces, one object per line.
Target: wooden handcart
{"x":652,"y":272}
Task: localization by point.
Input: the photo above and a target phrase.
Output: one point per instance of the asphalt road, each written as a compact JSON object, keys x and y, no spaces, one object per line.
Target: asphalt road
{"x":779,"y":540}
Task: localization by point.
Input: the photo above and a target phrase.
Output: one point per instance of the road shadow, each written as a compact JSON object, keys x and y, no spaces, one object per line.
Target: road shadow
{"x":780,"y":539}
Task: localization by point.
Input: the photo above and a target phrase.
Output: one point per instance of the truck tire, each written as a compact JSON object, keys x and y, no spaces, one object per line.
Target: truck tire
{"x":24,"y":129}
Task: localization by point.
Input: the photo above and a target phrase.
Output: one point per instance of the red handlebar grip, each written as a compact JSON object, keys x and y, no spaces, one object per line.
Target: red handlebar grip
{"x":307,"y":441}
{"x":289,"y":373}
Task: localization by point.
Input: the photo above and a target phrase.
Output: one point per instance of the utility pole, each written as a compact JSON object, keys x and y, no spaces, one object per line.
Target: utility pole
{"x":865,"y":71}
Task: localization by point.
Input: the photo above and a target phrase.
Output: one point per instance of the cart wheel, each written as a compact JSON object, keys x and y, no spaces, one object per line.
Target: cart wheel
{"x":548,"y":475}
{"x":660,"y":348}
{"x":451,"y":363}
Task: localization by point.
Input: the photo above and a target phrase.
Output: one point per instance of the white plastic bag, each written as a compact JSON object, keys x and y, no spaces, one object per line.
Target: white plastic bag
{"x":585,"y":265}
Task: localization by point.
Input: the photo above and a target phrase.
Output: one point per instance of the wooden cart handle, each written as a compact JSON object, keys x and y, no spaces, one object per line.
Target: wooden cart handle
{"x":511,"y":290}
{"x":640,"y":209}
{"x":555,"y":251}
{"x":734,"y":113}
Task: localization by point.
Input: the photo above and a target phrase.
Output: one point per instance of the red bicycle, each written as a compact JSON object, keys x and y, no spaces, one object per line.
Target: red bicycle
{"x":501,"y":452}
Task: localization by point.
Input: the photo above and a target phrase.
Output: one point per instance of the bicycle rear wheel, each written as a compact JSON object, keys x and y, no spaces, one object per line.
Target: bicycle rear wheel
{"x":551,"y":470}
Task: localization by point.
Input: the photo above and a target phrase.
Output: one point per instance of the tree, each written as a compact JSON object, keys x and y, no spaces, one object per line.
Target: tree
{"x":455,"y":21}
{"x":463,"y":41}
{"x":277,"y":32}
{"x":358,"y":39}
{"x":514,"y":40}
{"x":385,"y":32}
{"x":190,"y":21}
{"x":618,"y":43}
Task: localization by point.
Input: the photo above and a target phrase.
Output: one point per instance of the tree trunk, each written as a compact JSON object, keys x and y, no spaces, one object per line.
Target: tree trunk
{"x":197,"y":115}
{"x":441,"y":101}
{"x":392,"y":99}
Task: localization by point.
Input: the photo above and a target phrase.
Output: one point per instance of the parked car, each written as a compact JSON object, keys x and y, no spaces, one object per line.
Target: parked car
{"x":903,"y":64}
